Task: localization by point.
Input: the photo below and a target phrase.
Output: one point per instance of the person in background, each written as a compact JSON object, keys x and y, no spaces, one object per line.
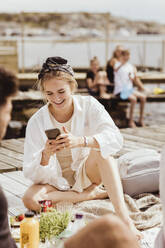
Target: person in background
{"x":8,"y":88}
{"x":124,"y":80}
{"x":97,"y":81}
{"x":111,"y":65}
{"x":111,"y":68}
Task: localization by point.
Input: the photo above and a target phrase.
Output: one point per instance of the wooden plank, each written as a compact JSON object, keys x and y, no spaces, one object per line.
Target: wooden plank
{"x":13,"y":211}
{"x":142,"y":132}
{"x":18,"y":177}
{"x":13,"y":145}
{"x":155,"y":129}
{"x":11,"y":153}
{"x":142,"y":140}
{"x":13,"y":200}
{"x":15,"y":141}
{"x":4,"y":167}
{"x":11,"y":161}
{"x":137,"y":145}
{"x":12,"y":186}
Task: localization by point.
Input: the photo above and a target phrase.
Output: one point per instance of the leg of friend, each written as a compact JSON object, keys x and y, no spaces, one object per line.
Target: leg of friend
{"x":110,"y":177}
{"x":133,"y":101}
{"x":105,"y":232}
{"x":103,"y":92}
{"x":142,"y":99}
{"x":47,"y":192}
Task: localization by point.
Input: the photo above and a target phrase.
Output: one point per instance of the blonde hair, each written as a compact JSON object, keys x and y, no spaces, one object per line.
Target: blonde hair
{"x":63,"y":76}
{"x":125,"y":52}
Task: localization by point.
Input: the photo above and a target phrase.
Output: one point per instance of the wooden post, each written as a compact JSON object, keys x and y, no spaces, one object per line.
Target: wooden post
{"x":22,"y":44}
{"x":107,"y":15}
{"x":144,"y":53}
{"x":163,"y":56}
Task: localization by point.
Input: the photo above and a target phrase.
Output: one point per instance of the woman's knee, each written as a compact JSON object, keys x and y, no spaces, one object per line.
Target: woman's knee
{"x":133,"y":100}
{"x":142,"y":99}
{"x":100,"y":157}
{"x":27,"y":199}
{"x":32,"y":196}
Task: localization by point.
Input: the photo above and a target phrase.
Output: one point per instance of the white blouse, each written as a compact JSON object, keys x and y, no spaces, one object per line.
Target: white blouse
{"x":122,"y":77}
{"x":90,"y":119}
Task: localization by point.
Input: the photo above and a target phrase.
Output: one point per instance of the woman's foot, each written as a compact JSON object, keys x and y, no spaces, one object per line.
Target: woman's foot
{"x":141,"y":124}
{"x":131,"y":124}
{"x":94,"y":192}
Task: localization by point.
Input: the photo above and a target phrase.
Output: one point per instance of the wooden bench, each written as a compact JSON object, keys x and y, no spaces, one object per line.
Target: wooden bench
{"x":28,"y":80}
{"x":27,"y":103}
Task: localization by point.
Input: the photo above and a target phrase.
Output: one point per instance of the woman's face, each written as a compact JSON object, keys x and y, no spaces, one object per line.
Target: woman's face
{"x":126,"y":57}
{"x":95,"y":66}
{"x":119,"y":50}
{"x":58,"y":93}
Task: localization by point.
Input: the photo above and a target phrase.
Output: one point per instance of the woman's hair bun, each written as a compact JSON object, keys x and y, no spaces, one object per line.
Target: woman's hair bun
{"x":58,"y":60}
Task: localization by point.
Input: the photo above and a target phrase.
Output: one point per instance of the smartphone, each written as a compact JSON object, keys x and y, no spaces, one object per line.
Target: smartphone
{"x":52,"y":133}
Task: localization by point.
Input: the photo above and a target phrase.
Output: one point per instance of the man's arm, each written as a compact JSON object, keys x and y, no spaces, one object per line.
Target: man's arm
{"x":6,"y":240}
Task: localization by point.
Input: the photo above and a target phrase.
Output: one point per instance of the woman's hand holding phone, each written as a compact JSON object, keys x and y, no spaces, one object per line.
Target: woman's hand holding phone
{"x":62,"y":141}
{"x":68,"y":140}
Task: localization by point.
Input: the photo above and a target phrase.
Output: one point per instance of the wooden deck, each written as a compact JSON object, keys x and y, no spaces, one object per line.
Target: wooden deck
{"x":11,"y":156}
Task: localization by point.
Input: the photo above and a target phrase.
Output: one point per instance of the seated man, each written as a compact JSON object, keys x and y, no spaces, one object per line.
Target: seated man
{"x":8,"y":87}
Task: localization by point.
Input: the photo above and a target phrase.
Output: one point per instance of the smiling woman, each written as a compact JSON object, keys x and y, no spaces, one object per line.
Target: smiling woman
{"x":70,"y":167}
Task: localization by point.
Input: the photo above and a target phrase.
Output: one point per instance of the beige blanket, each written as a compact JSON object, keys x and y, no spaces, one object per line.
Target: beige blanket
{"x":145,"y":210}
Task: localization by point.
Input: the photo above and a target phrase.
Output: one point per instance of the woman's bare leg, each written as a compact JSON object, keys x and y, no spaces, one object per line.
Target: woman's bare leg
{"x":103,"y":92}
{"x":107,"y":171}
{"x":142,"y":99}
{"x":36,"y":193}
{"x":40,"y":192}
{"x":133,"y":101}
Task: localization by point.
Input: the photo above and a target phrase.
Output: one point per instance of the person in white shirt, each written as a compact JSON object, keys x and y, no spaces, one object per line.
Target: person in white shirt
{"x":124,"y":79}
{"x":71,"y":167}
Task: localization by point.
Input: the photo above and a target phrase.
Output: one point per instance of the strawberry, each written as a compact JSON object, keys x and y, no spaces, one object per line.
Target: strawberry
{"x":19,"y":217}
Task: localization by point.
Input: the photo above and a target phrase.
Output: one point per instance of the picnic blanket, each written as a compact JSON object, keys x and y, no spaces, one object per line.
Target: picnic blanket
{"x":145,"y":210}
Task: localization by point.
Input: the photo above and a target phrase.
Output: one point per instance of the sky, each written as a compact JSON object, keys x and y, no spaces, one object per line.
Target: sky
{"x":148,"y":10}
